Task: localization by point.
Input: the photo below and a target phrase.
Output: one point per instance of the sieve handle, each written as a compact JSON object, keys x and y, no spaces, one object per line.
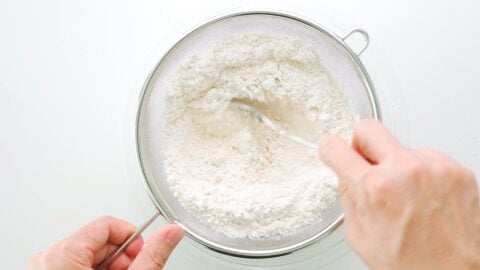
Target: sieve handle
{"x":365,"y":36}
{"x":112,"y":256}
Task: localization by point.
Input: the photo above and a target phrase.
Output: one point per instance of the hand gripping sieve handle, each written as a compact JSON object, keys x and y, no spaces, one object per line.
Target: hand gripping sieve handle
{"x":112,"y":256}
{"x":365,"y":36}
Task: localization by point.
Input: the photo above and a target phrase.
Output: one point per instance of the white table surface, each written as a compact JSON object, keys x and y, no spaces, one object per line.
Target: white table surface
{"x":65,"y":72}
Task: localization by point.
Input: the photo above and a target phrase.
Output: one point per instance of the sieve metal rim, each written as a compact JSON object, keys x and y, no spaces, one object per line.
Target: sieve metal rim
{"x":159,"y":202}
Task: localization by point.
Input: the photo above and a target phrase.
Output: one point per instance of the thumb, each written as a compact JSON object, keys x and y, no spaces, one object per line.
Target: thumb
{"x":158,"y":248}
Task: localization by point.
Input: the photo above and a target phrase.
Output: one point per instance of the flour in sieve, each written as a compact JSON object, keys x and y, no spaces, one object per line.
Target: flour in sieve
{"x":229,"y":170}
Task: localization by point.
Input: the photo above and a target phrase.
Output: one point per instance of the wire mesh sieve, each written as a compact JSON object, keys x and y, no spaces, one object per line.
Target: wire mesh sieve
{"x":341,"y":62}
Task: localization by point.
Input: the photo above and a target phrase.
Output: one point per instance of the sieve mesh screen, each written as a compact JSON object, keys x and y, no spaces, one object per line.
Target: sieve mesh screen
{"x":341,"y":64}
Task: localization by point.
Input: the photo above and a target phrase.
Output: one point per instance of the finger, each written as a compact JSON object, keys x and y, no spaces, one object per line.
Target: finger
{"x":132,"y":250}
{"x":122,"y":262}
{"x":135,"y":247}
{"x":95,"y":235}
{"x":103,"y":252}
{"x":373,"y":141}
{"x":342,"y":159}
{"x":158,"y":248}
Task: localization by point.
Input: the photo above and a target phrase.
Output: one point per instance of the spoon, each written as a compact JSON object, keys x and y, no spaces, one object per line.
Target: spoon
{"x":239,"y":104}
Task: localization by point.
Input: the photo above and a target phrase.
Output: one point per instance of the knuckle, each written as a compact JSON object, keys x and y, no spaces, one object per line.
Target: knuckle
{"x":377,"y":187}
{"x":104,"y":222}
{"x":451,"y":171}
{"x":364,"y":124}
{"x":105,"y":219}
{"x":379,"y":192}
{"x":443,"y":169}
{"x":415,"y":169}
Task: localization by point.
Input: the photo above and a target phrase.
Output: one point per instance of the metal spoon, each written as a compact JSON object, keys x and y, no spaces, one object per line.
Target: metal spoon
{"x":239,"y":104}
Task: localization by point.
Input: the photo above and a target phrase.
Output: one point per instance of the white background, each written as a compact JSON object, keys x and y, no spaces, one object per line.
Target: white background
{"x":65,"y":75}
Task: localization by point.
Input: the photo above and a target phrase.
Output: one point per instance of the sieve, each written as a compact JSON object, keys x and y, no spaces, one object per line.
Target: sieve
{"x":342,"y":63}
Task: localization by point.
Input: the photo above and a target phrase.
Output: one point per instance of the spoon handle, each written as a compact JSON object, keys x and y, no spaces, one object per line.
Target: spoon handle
{"x":269,"y":123}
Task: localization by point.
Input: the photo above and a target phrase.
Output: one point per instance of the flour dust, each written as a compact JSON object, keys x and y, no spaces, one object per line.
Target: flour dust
{"x":229,"y":170}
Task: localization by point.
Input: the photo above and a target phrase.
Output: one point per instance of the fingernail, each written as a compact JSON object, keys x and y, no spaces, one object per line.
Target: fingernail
{"x":133,"y":229}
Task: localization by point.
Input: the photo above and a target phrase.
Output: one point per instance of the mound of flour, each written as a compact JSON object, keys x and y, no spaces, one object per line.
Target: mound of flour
{"x":229,"y":170}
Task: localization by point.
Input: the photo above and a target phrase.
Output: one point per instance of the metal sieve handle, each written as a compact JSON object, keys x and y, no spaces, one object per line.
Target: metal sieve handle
{"x":365,"y":36}
{"x":112,"y":256}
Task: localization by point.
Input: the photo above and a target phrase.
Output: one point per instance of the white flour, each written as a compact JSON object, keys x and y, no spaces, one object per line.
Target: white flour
{"x":229,"y":170}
